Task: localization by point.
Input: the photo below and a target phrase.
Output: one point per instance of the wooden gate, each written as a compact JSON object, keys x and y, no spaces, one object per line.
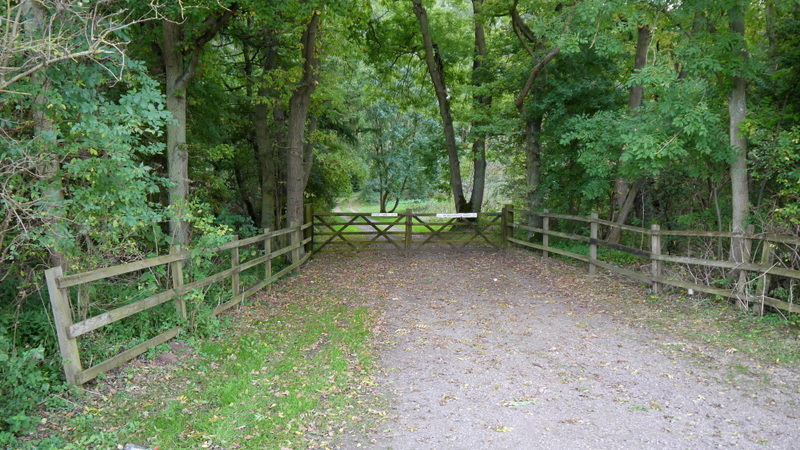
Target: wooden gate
{"x":406,"y":232}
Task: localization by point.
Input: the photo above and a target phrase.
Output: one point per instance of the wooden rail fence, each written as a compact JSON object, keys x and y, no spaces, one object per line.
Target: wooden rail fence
{"x":770,"y":257}
{"x":752,"y":285}
{"x":295,"y":238}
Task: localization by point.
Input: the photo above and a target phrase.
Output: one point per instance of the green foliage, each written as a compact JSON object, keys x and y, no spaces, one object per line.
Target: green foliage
{"x":572,"y":88}
{"x":775,"y":159}
{"x":680,"y":127}
{"x":307,"y":359}
{"x":98,"y":203}
{"x":398,"y":147}
{"x":611,"y":256}
{"x":24,"y":383}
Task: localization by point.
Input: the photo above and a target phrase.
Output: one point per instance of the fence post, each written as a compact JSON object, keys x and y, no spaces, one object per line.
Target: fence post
{"x":176,"y":267}
{"x":741,"y":284}
{"x":767,"y":255}
{"x":545,"y":233}
{"x":655,"y":250}
{"x":235,"y":278}
{"x":62,"y":315}
{"x":294,"y":242}
{"x":308,"y":233}
{"x":593,"y":243}
{"x":508,"y":225}
{"x":267,"y":251}
{"x":408,"y":236}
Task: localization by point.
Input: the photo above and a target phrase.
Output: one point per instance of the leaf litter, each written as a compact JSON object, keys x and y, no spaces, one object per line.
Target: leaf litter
{"x":489,"y":350}
{"x":480,"y":349}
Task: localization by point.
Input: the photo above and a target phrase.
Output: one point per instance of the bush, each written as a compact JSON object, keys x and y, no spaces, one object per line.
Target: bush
{"x":24,"y":383}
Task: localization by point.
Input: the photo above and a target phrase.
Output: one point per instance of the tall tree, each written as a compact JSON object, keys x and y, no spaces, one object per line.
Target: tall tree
{"x":538,"y":50}
{"x":268,"y":132}
{"x":37,"y":17}
{"x":483,"y":102}
{"x":300,"y":155}
{"x":625,"y":191}
{"x":181,"y":57}
{"x":737,"y":109}
{"x":433,"y":61}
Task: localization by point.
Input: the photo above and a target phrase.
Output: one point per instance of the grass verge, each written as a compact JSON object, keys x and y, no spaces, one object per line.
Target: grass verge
{"x":718,"y":323}
{"x":288,"y":375}
{"x":709,"y":321}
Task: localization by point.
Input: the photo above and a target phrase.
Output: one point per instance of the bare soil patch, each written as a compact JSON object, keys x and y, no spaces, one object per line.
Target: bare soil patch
{"x":507,"y":350}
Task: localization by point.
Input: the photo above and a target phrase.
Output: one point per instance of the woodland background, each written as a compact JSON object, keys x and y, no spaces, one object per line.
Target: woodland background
{"x":129,"y":126}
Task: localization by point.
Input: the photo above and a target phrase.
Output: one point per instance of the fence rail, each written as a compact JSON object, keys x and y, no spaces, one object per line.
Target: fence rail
{"x":756,"y":276}
{"x":771,"y":260}
{"x":69,"y":331}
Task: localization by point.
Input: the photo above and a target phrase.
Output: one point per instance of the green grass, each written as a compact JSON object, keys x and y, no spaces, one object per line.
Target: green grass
{"x":769,"y":339}
{"x":418,"y":206}
{"x":605,"y":254}
{"x":289,"y":381}
{"x":716,"y":322}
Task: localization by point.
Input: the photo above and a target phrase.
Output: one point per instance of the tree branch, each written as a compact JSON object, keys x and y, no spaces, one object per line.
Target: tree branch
{"x":70,"y":34}
{"x":534,"y":74}
{"x":30,"y":71}
{"x":212,"y":25}
{"x":522,"y":29}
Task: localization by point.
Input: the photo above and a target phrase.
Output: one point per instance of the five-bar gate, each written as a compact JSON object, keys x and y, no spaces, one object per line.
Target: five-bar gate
{"x":406,"y":232}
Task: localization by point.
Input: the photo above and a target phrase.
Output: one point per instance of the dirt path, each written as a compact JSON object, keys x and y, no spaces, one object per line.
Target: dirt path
{"x":501,"y":350}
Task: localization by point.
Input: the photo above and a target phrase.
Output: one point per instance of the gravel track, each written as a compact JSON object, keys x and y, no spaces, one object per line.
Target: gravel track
{"x":507,"y":350}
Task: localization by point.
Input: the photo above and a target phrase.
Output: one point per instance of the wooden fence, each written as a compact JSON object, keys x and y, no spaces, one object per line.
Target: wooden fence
{"x":772,"y":260}
{"x":405,"y":232}
{"x":59,"y":285}
{"x":772,"y":264}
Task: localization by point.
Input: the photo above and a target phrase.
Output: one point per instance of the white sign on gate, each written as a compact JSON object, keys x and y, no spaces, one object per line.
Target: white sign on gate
{"x":458,"y":215}
{"x":383,"y":215}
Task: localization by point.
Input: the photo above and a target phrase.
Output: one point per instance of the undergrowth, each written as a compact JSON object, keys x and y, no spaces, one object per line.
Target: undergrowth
{"x":769,"y":339}
{"x":286,"y":378}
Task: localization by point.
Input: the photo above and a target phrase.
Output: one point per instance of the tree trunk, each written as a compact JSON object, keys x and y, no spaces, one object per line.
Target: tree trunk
{"x":770,"y":21}
{"x":737,"y":108}
{"x":533,"y":154}
{"x":482,"y":103}
{"x":299,"y":103}
{"x":240,"y":184}
{"x":479,"y":174}
{"x":436,"y":72}
{"x":308,"y":149}
{"x":177,"y":155}
{"x":533,"y":125}
{"x":178,"y":73}
{"x":533,"y":151}
{"x":266,"y":159}
{"x":643,"y":37}
{"x":266,"y":138}
{"x":52,"y":196}
{"x":281,"y":152}
{"x":624,"y":193}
